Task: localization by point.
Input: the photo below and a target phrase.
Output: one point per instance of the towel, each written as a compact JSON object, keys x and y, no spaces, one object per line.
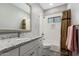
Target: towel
{"x":71,"y":42}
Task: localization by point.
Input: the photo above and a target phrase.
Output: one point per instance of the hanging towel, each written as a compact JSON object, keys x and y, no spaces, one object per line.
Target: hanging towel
{"x":71,"y":42}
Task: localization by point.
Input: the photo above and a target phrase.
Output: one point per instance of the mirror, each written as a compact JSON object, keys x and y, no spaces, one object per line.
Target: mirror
{"x":12,"y":16}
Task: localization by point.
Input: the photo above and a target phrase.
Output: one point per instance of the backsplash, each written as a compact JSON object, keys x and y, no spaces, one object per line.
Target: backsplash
{"x":15,"y":35}
{"x":8,"y":35}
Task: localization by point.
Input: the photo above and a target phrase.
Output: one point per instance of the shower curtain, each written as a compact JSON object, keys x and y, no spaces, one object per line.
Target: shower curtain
{"x":65,"y":22}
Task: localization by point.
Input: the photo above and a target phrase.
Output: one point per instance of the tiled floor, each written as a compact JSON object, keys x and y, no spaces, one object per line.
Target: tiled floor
{"x":48,"y":52}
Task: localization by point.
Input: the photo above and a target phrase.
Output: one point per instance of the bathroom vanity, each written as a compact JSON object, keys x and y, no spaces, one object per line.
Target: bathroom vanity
{"x":16,"y":12}
{"x":21,"y":47}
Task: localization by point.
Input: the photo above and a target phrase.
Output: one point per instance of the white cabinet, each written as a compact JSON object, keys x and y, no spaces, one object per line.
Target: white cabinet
{"x":39,"y":51}
{"x":40,"y":47}
{"x":32,"y":52}
{"x":14,"y":52}
{"x":27,"y":47}
{"x":33,"y":48}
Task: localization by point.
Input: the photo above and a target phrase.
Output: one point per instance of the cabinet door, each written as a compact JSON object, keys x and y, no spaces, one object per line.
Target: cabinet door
{"x":40,"y":42}
{"x":14,"y":52}
{"x":32,"y":52}
{"x":27,"y":47}
{"x":39,"y":51}
{"x":40,"y":47}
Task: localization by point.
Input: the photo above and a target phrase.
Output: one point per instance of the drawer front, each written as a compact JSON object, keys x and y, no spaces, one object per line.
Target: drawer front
{"x":14,"y":52}
{"x":32,"y":52}
{"x":25,"y":48}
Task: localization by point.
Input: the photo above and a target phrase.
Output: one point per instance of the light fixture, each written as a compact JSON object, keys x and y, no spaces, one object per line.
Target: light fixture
{"x":51,"y":4}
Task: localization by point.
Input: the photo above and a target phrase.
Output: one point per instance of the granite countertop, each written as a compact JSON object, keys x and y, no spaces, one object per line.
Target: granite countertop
{"x":8,"y":44}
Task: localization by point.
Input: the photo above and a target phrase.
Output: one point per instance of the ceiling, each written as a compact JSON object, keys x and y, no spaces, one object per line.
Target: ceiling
{"x":46,"y":6}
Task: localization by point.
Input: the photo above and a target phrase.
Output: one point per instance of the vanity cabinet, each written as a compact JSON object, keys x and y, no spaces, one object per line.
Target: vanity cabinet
{"x":32,"y":52}
{"x":28,"y":47}
{"x":40,"y":47}
{"x":14,"y":52}
{"x":32,"y":48}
